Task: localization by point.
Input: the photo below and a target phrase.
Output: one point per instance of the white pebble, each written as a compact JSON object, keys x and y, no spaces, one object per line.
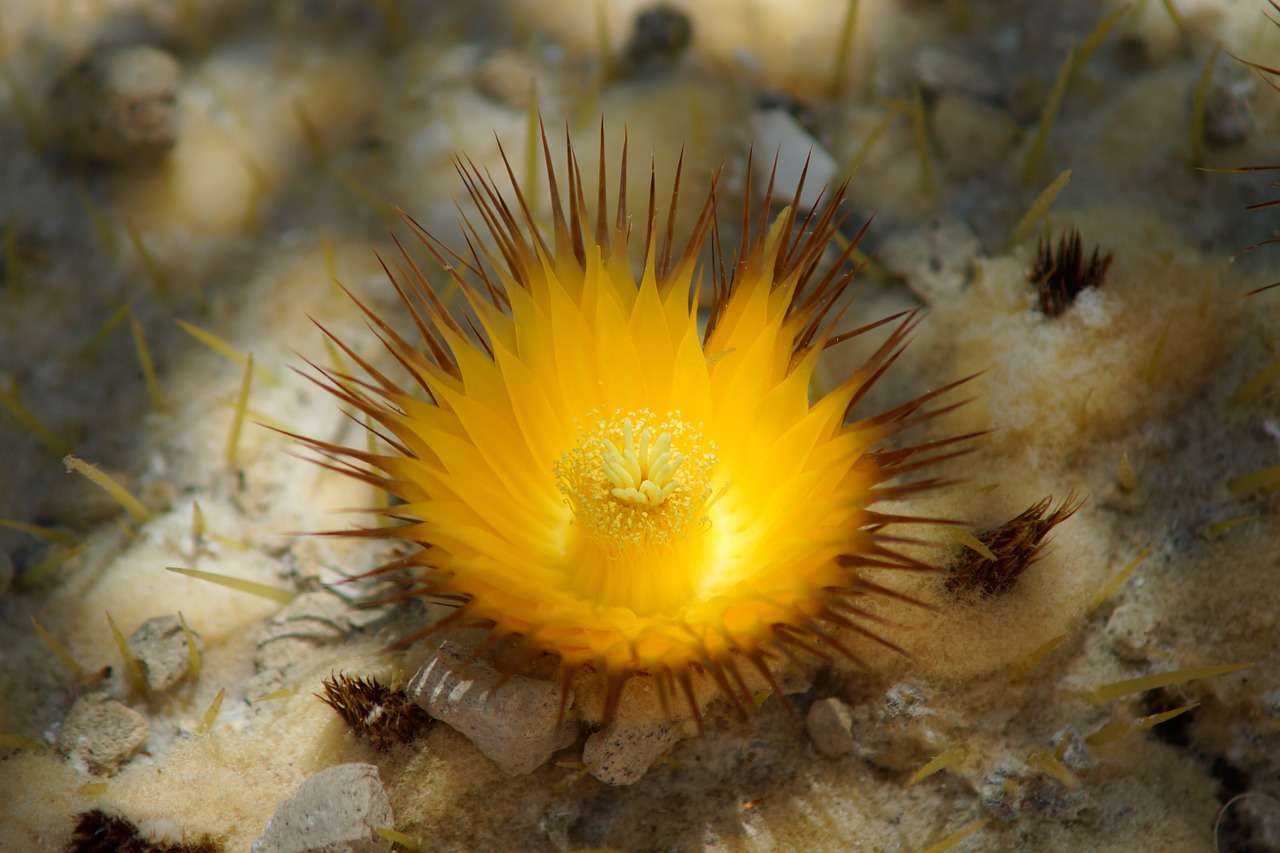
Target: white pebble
{"x":776,"y":132}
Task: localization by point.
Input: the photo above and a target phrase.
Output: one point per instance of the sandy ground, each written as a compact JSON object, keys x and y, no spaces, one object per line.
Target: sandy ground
{"x":256,"y":160}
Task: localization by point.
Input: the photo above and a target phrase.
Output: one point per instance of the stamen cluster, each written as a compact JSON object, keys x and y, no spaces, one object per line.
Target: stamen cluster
{"x":621,"y":482}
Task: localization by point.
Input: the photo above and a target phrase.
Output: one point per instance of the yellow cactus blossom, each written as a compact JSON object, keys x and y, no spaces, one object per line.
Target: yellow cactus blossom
{"x":596,"y":469}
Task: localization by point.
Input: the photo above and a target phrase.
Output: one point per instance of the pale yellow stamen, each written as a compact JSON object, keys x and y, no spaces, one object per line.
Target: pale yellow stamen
{"x":621,"y":481}
{"x":641,"y":474}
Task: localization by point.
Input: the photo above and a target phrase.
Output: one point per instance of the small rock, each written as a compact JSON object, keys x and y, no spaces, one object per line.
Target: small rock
{"x":517,"y":725}
{"x":507,"y":77}
{"x":160,"y":647}
{"x":622,"y":754}
{"x":942,"y":70}
{"x":1131,"y":632}
{"x":334,"y":811}
{"x":118,"y":107}
{"x":972,"y":136}
{"x":935,"y":258}
{"x":777,"y":132}
{"x":623,"y":751}
{"x":101,"y":733}
{"x":830,"y":726}
{"x":661,"y":34}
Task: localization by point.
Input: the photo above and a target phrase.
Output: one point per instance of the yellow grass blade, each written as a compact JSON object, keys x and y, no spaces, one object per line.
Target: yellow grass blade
{"x":956,"y":837}
{"x":30,"y":422}
{"x":131,"y":665}
{"x":262,"y":590}
{"x":1109,"y":588}
{"x":1113,"y":733}
{"x":59,"y":650}
{"x":949,"y":758}
{"x":136,"y":509}
{"x":1129,"y":686}
{"x":1038,"y":209}
{"x":206,"y":722}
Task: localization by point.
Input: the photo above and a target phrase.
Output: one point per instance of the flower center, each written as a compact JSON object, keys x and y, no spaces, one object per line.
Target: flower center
{"x":643,"y":473}
{"x":637,"y":522}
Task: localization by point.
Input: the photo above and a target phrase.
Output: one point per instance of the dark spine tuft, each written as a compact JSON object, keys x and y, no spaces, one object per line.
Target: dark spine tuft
{"x":1060,"y":273}
{"x":1016,"y":545}
{"x":373,"y":710}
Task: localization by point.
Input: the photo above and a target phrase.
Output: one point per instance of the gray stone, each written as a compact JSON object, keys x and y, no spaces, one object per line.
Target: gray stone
{"x":830,"y":726}
{"x":334,"y":811}
{"x":101,"y":733}
{"x":160,"y":647}
{"x":623,"y":751}
{"x":642,"y":729}
{"x":621,"y":755}
{"x":935,"y":258}
{"x":516,"y":725}
{"x":972,"y":136}
{"x":118,"y":107}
